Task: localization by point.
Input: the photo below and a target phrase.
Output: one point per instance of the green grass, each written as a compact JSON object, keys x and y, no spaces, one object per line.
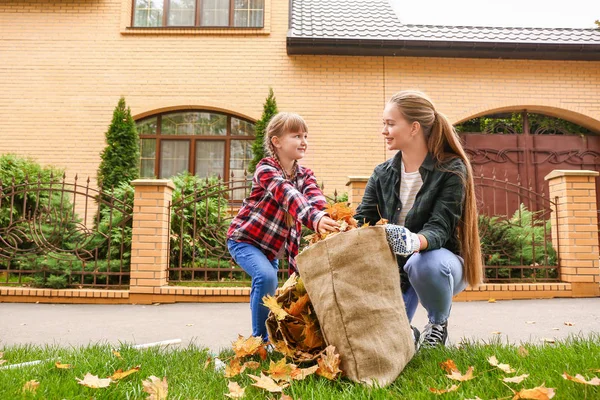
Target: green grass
{"x":188,"y":380}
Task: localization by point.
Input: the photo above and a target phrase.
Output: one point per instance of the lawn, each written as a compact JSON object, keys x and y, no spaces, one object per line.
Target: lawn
{"x":190,"y":377}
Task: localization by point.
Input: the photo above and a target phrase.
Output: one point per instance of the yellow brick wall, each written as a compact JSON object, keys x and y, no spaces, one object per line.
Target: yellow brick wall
{"x":65,"y":63}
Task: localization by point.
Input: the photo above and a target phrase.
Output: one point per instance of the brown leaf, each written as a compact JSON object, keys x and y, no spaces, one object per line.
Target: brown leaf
{"x":250,"y":365}
{"x":569,"y":323}
{"x":283,"y":348}
{"x":264,"y":382}
{"x":298,"y":306}
{"x":235,"y":391}
{"x":247,"y":347}
{"x":312,"y":333}
{"x":503,"y":367}
{"x":595,"y":381}
{"x":537,"y":393}
{"x":329,"y":363}
{"x":281,"y":371}
{"x":207,"y":362}
{"x":157,"y":389}
{"x":449,"y":366}
{"x":262,"y":352}
{"x":442,"y":391}
{"x":119,"y":374}
{"x":516,"y":379}
{"x":271,"y":303}
{"x":457,"y":376}
{"x":92,"y":381}
{"x":63,"y":366}
{"x":548,"y":340}
{"x":31,"y":386}
{"x":233,"y":369}
{"x":523,"y":352}
{"x":301,"y":373}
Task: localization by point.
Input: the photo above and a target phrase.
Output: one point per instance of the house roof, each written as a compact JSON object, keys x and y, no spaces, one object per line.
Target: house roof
{"x":359,"y":27}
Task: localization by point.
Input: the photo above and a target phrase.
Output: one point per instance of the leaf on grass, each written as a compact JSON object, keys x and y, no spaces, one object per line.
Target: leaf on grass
{"x":264,"y":382}
{"x":92,"y":381}
{"x":117,"y":354}
{"x":207,"y":362}
{"x":457,"y":376}
{"x":119,"y":374}
{"x":247,"y":347}
{"x":301,"y":373}
{"x":569,"y":323}
{"x":235,"y":391}
{"x":548,"y":340}
{"x":271,"y":303}
{"x":285,"y":397}
{"x":523,"y":352}
{"x":516,"y":379}
{"x":476,"y":398}
{"x":299,"y":306}
{"x":233,"y":369}
{"x":157,"y":389}
{"x":63,"y":366}
{"x":449,"y":366}
{"x":250,"y":365}
{"x":442,"y":391}
{"x":503,"y":367}
{"x":595,"y":381}
{"x":31,"y":386}
{"x":537,"y":393}
{"x":329,"y":363}
{"x":283,"y":348}
{"x":281,"y":371}
{"x":262,"y":352}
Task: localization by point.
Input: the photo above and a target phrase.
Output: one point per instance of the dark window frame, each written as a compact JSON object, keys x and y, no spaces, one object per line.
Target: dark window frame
{"x":197,"y":18}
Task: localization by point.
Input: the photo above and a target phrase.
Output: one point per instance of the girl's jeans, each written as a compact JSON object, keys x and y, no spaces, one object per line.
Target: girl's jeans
{"x":435,"y":276}
{"x":264,"y":281}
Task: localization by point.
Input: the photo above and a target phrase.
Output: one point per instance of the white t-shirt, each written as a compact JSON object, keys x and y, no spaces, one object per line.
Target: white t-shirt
{"x":410,"y":184}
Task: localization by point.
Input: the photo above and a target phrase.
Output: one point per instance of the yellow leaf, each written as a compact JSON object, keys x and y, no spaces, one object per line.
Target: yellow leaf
{"x":264,"y":382}
{"x":442,"y":391}
{"x":281,"y":371}
{"x":250,"y":365}
{"x":449,"y":366}
{"x":117,"y":354}
{"x":537,"y":393}
{"x":504,"y":367}
{"x":271,"y":303}
{"x":63,"y":366}
{"x":329,"y":363}
{"x":292,"y":280}
{"x":595,"y":381}
{"x":119,"y":374}
{"x":247,"y":347}
{"x":300,"y":373}
{"x":523,"y":352}
{"x":491,"y":300}
{"x":299,"y":306}
{"x":516,"y":379}
{"x":31,"y":386}
{"x":235,"y":391}
{"x":157,"y":389}
{"x":233,"y":369}
{"x":569,"y":323}
{"x":457,"y":376}
{"x":92,"y":381}
{"x":283,"y":348}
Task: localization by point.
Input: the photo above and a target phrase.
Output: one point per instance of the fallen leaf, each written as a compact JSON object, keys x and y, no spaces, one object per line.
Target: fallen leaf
{"x":476,"y":398}
{"x":496,"y":333}
{"x":297,"y":307}
{"x":329,"y":363}
{"x":31,"y":386}
{"x":530,"y":322}
{"x":157,"y":389}
{"x":292,"y":280}
{"x":235,"y":391}
{"x":63,"y":366}
{"x":250,"y":365}
{"x":262,"y":352}
{"x":271,"y":303}
{"x":516,"y":379}
{"x":207,"y":362}
{"x":556,"y":329}
{"x":523,"y":352}
{"x":537,"y":393}
{"x":569,"y":323}
{"x":442,"y":391}
{"x":281,"y":371}
{"x":313,"y":338}
{"x":491,"y":300}
{"x":264,"y":382}
{"x":504,"y":367}
{"x":189,"y":324}
{"x":233,"y":369}
{"x":92,"y":381}
{"x":548,"y":340}
{"x":119,"y":374}
{"x":285,"y":397}
{"x":247,"y":347}
{"x":457,"y":376}
{"x":595,"y":381}
{"x":449,"y":366}
{"x":300,"y":373}
{"x":283,"y":348}
{"x":117,"y":354}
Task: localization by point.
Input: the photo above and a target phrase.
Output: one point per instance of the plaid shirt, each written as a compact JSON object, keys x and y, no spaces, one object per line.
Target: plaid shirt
{"x":262,"y":219}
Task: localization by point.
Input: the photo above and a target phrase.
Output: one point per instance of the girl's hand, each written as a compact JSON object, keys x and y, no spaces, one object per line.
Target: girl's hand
{"x":327,"y":224}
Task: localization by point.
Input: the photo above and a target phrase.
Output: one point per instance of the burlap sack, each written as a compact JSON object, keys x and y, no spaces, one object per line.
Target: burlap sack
{"x":353,"y":282}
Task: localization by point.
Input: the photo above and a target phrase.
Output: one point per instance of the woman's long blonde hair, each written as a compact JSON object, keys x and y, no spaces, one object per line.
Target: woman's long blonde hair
{"x":444,"y":143}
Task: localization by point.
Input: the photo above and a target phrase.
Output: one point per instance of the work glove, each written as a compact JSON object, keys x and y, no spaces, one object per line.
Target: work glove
{"x":402,"y":241}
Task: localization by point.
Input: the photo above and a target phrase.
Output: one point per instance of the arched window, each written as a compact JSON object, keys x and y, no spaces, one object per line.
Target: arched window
{"x":205,"y":143}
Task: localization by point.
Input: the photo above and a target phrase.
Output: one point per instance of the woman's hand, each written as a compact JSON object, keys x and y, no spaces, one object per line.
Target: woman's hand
{"x":327,"y":224}
{"x":402,"y":241}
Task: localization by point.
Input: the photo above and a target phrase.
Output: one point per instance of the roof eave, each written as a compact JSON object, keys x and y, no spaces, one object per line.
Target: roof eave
{"x":435,"y":48}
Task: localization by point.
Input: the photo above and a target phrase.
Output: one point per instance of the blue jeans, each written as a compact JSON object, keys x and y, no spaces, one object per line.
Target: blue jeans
{"x":264,"y":281}
{"x":435,"y":276}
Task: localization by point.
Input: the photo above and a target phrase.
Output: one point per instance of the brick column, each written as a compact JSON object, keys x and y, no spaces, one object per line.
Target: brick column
{"x":356,"y":190}
{"x":150,"y":242}
{"x":576,"y":236}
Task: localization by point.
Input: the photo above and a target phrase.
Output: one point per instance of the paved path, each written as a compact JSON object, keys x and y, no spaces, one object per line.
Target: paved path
{"x":216,"y":325}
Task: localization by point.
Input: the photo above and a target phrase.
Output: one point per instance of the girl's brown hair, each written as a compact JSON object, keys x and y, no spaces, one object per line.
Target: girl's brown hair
{"x":444,"y":143}
{"x":281,"y":123}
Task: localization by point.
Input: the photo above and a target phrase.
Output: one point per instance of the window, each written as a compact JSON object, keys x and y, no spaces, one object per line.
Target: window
{"x":204,"y":143}
{"x":198,"y":13}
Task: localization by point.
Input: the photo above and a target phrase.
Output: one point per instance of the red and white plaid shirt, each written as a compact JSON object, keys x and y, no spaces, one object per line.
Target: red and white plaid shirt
{"x":262,"y":219}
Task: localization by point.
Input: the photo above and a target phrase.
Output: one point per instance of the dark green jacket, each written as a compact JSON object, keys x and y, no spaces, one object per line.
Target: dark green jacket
{"x":438,"y":206}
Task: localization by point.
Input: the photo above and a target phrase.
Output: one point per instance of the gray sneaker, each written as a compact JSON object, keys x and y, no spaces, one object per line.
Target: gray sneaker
{"x":435,"y":335}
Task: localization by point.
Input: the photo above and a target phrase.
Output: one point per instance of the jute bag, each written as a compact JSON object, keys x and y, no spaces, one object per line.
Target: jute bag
{"x":353,"y":282}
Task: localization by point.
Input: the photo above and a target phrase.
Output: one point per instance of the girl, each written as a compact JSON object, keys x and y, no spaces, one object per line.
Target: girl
{"x":426,"y":191}
{"x":284,"y":196}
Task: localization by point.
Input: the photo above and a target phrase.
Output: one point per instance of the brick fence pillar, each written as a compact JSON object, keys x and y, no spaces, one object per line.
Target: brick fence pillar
{"x":356,"y":190}
{"x":576,"y":236}
{"x":150,"y":237}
